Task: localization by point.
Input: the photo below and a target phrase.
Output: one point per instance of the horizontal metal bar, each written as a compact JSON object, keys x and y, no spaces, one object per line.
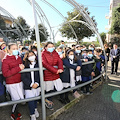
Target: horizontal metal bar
{"x":36,"y":69}
{"x":76,"y":87}
{"x":50,"y":94}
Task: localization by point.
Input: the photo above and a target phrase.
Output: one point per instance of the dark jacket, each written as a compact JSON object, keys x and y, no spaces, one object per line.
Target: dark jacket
{"x":79,"y":57}
{"x":112,"y":53}
{"x":50,"y":60}
{"x":26,"y":78}
{"x":87,"y":69}
{"x":65,"y":76}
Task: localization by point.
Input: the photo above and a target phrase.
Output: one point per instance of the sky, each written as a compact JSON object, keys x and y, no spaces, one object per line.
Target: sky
{"x":97,"y":8}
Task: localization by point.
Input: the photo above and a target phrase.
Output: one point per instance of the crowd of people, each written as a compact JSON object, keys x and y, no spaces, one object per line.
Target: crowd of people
{"x":15,"y":58}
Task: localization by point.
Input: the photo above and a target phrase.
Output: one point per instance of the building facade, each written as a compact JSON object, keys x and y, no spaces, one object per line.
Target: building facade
{"x":113,"y":4}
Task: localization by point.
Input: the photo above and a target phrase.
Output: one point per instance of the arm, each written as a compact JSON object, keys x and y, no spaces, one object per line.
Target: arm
{"x":60,"y":63}
{"x":68,"y":65}
{"x":79,"y":63}
{"x":7,"y":72}
{"x":111,"y":53}
{"x":47,"y":66}
{"x":25,"y":80}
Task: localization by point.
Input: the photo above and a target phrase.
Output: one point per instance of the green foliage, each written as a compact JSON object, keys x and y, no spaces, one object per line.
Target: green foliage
{"x":80,"y":29}
{"x":115,"y":40}
{"x":115,"y":26}
{"x":58,"y":43}
{"x":89,"y":43}
{"x":24,"y":25}
{"x":2,"y":23}
{"x":27,"y":42}
{"x":42,"y":32}
{"x":103,"y":37}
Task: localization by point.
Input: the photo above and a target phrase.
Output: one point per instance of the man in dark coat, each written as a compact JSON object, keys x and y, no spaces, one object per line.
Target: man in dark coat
{"x":114,"y":53}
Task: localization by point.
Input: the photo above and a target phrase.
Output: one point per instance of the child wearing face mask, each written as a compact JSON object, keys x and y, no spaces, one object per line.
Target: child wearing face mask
{"x":54,"y":66}
{"x":69,"y":76}
{"x":60,"y":52}
{"x":99,"y":62}
{"x":87,"y":71}
{"x":79,"y":57}
{"x":11,"y":66}
{"x":31,"y":81}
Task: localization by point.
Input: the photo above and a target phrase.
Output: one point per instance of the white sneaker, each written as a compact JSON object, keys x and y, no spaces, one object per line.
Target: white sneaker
{"x":33,"y":117}
{"x":36,"y":113}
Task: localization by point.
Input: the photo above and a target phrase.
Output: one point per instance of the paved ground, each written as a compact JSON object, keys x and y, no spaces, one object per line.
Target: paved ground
{"x":98,"y":106}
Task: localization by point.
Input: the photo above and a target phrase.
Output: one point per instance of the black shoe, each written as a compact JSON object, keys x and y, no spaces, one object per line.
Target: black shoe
{"x":116,"y":73}
{"x":112,"y":73}
{"x":67,"y":100}
{"x":63,"y":101}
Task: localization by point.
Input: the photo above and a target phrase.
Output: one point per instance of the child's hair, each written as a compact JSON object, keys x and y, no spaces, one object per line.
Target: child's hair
{"x":67,"y":52}
{"x":98,"y":50}
{"x":25,"y":59}
{"x":24,"y":48}
{"x":48,"y":44}
{"x":11,"y":44}
{"x":34,"y":47}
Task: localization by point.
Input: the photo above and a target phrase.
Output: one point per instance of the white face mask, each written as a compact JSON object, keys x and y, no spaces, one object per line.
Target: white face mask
{"x":35,"y":52}
{"x":31,"y":58}
{"x":71,"y":57}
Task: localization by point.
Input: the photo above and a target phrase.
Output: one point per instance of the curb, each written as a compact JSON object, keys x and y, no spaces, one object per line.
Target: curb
{"x":69,"y":105}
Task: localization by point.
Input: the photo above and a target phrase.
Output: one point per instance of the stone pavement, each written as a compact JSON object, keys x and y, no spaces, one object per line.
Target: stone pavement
{"x":98,"y":106}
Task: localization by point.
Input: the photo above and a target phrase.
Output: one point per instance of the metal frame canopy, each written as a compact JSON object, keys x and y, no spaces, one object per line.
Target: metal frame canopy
{"x":89,"y":23}
{"x":37,"y":11}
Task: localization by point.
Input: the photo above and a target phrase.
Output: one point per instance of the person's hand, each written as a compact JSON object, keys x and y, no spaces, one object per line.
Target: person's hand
{"x":92,"y":74}
{"x":21,"y":66}
{"x":35,"y":86}
{"x":78,"y":68}
{"x":86,"y":60}
{"x":59,"y":71}
{"x":114,"y":56}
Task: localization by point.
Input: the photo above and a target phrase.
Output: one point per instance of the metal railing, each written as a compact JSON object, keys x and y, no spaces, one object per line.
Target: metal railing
{"x":36,"y":69}
{"x":50,"y":94}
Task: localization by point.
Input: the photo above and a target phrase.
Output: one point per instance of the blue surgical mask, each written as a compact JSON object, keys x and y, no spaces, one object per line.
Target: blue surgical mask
{"x":59,"y":53}
{"x":90,"y":55}
{"x":15,"y":52}
{"x":78,"y":51}
{"x":50,"y":49}
{"x":27,"y":47}
{"x":23,"y":53}
{"x":62,"y":45}
{"x":91,"y":48}
{"x":84,"y":54}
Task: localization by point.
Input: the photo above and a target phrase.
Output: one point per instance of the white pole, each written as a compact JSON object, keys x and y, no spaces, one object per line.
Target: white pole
{"x":39,"y":61}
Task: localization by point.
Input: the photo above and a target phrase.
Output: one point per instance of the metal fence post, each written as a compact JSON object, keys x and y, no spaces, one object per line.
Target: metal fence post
{"x":40,"y":62}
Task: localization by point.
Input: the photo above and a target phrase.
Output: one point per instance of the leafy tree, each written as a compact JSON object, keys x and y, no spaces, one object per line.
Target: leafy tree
{"x":42,"y":32}
{"x":115,"y":26}
{"x":24,"y":25}
{"x":2,"y":23}
{"x":103,"y":37}
{"x":115,"y":40}
{"x":89,"y":43}
{"x":80,"y":29}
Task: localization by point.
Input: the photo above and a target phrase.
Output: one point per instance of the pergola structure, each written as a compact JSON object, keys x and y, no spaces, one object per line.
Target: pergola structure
{"x":38,"y":12}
